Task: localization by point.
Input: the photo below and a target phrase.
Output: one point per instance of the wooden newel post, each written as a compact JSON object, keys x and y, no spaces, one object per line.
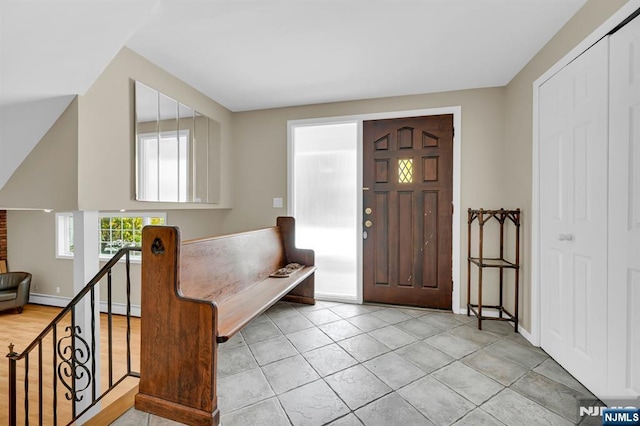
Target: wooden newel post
{"x":12,"y":386}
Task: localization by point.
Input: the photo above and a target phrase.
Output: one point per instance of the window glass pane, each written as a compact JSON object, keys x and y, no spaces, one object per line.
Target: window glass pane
{"x":69,"y":240}
{"x":64,"y":235}
{"x":405,"y":170}
{"x":156,"y":221}
{"x":183,"y":154}
{"x":115,"y":231}
{"x":168,"y":166}
{"x":326,"y":194}
{"x":148,"y":172}
{"x":173,"y":171}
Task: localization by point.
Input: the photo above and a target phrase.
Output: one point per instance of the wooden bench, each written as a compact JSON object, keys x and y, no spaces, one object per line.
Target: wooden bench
{"x":200,"y":293}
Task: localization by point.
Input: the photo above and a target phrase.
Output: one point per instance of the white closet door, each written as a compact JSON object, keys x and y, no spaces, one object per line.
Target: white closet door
{"x":573,"y":216}
{"x":624,"y":219}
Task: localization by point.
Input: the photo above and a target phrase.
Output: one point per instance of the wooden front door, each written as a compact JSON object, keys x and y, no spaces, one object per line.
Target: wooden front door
{"x":407,"y":201}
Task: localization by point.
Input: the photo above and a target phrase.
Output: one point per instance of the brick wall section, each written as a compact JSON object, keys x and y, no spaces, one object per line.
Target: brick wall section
{"x":3,"y":234}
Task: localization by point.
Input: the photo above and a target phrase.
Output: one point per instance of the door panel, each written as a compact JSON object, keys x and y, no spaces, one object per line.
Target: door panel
{"x":408,"y":180}
{"x":405,"y":239}
{"x":429,"y":245}
{"x":624,"y":218}
{"x":555,"y":277}
{"x":573,"y":215}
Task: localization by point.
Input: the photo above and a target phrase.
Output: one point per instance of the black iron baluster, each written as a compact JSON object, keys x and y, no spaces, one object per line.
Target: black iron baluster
{"x":73,"y":363}
{"x":40,"y":382}
{"x":55,"y":376}
{"x":12,"y":386}
{"x":110,"y":328}
{"x":26,"y":390}
{"x":93,"y":343}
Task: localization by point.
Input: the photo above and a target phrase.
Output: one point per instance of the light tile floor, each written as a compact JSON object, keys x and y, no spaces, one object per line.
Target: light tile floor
{"x":342,"y":365}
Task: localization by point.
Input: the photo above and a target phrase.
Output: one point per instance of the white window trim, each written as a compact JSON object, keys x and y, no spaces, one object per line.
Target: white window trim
{"x":63,"y":237}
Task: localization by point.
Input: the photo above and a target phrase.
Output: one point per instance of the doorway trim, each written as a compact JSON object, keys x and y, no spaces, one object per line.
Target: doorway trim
{"x":618,"y":17}
{"x":457,"y":161}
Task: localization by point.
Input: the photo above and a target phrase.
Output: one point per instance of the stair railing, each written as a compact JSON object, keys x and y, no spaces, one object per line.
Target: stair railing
{"x":73,"y":357}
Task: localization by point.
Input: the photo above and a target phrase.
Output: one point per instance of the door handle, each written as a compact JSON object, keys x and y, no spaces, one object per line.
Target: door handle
{"x":565,"y":237}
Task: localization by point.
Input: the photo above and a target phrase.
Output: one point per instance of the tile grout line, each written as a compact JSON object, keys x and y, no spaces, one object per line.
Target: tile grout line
{"x":393,"y":350}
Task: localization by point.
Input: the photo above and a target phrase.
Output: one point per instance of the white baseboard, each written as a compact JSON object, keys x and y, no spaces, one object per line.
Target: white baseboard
{"x":45,"y":299}
{"x":61,"y":302}
{"x":121,"y":309}
{"x":488,"y":312}
{"x":328,"y":297}
{"x":460,"y":310}
{"x":494,"y":314}
{"x":526,"y":335}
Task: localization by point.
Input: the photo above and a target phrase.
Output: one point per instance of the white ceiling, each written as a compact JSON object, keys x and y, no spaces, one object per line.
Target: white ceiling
{"x":271,"y":53}
{"x":254,"y":54}
{"x":52,"y":48}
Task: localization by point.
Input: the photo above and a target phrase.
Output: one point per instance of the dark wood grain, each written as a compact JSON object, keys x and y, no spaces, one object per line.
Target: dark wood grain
{"x":408,"y":181}
{"x":178,"y":347}
{"x":199,"y":293}
{"x":239,"y":309}
{"x":305,"y":291}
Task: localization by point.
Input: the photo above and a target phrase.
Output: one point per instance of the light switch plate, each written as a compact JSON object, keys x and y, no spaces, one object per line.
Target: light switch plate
{"x":277,"y":203}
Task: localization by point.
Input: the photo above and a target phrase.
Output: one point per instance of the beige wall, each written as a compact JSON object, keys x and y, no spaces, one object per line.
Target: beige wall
{"x":106,"y":153}
{"x":519,"y":123}
{"x":31,"y":247}
{"x":260,"y":139}
{"x":85,"y":162}
{"x":47,"y":178}
{"x":496,"y":156}
{"x":496,"y":144}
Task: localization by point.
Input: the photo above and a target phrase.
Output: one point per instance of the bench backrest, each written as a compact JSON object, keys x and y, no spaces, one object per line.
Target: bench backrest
{"x":219,"y":267}
{"x":179,"y":336}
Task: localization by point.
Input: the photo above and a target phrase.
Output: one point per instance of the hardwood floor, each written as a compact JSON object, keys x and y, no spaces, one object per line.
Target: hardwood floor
{"x":22,"y":329}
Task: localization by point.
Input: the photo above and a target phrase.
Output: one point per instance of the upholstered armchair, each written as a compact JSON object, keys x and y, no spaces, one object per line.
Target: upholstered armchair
{"x":14,"y":290}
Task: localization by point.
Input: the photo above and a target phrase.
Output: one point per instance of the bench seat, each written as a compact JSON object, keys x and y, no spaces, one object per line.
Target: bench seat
{"x":238,"y":311}
{"x":198,"y":294}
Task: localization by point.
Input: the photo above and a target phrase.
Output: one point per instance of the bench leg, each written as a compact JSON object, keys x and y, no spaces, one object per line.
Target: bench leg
{"x":303,"y":293}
